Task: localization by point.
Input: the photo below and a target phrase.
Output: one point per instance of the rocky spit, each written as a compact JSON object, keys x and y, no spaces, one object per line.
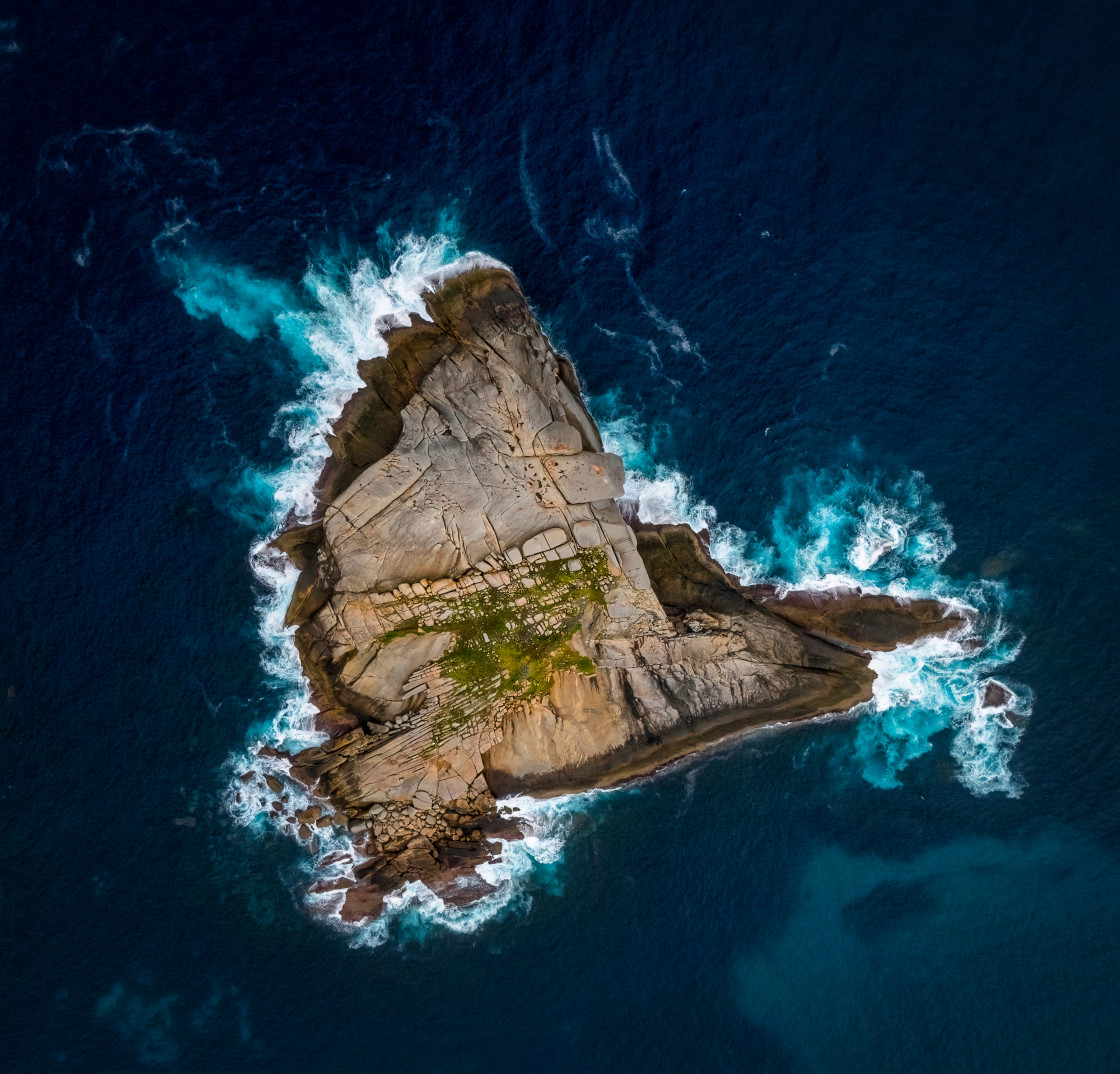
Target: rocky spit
{"x":476,"y":617}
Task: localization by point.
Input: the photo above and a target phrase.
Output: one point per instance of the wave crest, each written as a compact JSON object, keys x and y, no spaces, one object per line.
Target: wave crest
{"x":338,"y":319}
{"x":830,"y":528}
{"x":846,"y":529}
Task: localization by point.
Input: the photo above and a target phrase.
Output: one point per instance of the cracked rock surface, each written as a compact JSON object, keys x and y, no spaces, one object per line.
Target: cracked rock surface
{"x":476,"y":617}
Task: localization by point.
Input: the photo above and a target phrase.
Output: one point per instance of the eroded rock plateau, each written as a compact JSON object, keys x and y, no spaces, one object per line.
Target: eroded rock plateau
{"x":476,"y":617}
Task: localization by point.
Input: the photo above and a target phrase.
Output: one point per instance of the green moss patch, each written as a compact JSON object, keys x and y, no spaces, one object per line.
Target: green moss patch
{"x":500,"y":648}
{"x":408,"y":626}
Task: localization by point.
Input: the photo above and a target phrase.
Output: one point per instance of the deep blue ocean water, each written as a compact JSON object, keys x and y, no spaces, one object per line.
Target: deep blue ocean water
{"x":799,"y":254}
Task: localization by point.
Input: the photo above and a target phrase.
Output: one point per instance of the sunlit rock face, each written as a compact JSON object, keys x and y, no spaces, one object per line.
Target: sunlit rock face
{"x":476,"y":617}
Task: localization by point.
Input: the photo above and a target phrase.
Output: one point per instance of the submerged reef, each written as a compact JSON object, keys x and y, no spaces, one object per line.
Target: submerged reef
{"x":476,"y":617}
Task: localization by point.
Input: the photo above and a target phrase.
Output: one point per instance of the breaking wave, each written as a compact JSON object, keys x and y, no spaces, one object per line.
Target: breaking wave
{"x":336,"y":319}
{"x":847,"y":528}
{"x":829,"y":529}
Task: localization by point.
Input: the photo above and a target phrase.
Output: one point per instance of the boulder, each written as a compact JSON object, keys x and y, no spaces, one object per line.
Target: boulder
{"x":558,"y":438}
{"x":588,"y":476}
{"x":996,"y":695}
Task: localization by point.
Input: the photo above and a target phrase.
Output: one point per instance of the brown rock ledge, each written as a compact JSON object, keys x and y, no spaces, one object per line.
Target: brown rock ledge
{"x":476,"y":618}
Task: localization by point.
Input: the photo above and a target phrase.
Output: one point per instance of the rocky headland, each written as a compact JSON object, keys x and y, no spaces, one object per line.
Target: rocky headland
{"x":477,"y":617}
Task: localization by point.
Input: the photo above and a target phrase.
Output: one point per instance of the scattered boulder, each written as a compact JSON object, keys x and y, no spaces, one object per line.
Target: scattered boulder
{"x":587,"y":476}
{"x":996,"y":695}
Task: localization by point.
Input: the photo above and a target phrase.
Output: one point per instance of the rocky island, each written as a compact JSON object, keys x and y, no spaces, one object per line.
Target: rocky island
{"x":479,"y":613}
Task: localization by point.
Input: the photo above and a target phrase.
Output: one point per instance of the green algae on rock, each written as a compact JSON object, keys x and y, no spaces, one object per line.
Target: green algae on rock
{"x":476,"y":618}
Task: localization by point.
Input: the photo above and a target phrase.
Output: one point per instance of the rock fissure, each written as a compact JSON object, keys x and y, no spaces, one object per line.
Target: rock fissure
{"x":475,"y":616}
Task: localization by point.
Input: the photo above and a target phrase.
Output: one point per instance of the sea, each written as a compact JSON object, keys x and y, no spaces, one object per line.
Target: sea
{"x":841,"y":283}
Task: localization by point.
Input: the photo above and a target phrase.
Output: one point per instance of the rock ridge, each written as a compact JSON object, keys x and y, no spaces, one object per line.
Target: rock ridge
{"x":476,"y":617}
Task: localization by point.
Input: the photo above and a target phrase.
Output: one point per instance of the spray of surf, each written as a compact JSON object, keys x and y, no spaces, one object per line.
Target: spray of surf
{"x":846,"y":528}
{"x":829,"y":529}
{"x":336,"y":318}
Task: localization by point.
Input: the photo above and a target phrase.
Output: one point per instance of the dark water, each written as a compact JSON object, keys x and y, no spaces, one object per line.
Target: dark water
{"x":798,"y":251}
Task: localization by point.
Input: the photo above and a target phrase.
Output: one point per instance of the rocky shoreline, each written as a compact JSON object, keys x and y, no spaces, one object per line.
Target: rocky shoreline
{"x":477,"y":618}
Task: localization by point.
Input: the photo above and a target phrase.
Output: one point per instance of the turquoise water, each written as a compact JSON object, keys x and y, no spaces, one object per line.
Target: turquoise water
{"x":840,"y":284}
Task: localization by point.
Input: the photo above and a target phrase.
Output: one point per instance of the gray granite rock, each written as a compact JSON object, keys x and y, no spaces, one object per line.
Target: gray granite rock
{"x":455,"y":644}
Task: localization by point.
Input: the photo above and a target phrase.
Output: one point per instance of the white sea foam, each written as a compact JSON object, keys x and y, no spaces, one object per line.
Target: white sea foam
{"x":845,"y":529}
{"x":623,"y":235}
{"x":938,"y":684}
{"x":618,"y":181}
{"x":528,"y":192}
{"x":341,"y":321}
{"x":829,"y":529}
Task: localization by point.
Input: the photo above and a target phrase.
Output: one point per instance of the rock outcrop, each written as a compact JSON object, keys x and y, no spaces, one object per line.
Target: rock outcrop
{"x":477,"y":618}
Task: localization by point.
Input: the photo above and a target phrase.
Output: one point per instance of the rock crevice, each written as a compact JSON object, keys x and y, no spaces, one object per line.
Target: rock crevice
{"x":476,"y":617}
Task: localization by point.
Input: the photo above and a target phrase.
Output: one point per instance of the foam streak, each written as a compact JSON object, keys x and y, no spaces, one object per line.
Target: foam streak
{"x":339,"y":320}
{"x":847,"y":529}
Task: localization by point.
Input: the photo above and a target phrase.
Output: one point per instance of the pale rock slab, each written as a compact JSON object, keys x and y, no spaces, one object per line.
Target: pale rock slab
{"x":559,"y":438}
{"x":587,"y":476}
{"x":587,"y":534}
